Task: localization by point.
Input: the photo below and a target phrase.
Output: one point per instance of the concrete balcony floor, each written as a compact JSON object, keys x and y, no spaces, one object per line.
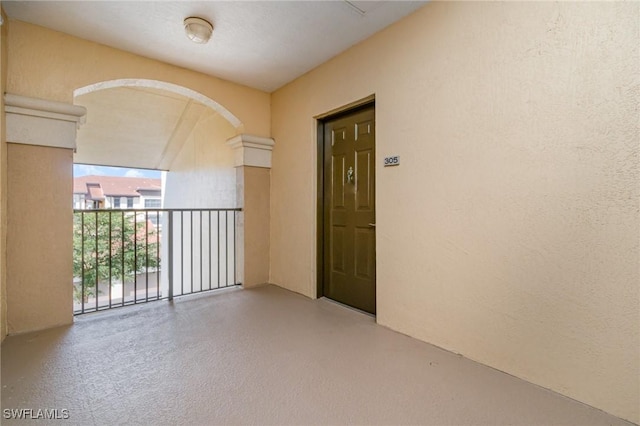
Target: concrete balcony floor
{"x":262,"y":356}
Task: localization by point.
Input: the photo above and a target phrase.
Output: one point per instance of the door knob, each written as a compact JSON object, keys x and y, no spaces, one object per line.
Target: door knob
{"x":372,"y":225}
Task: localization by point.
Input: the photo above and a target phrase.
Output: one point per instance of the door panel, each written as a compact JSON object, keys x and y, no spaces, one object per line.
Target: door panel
{"x":364,"y":243}
{"x":338,"y":163}
{"x":349,"y":210}
{"x":338,"y":249}
{"x":363,"y":180}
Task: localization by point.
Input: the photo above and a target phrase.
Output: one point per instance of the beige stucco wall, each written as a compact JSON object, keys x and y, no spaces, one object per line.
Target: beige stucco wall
{"x":3,"y":181}
{"x":51,"y":65}
{"x":39,"y":229}
{"x":202,"y":174}
{"x":253,"y":194}
{"x":510,"y":231}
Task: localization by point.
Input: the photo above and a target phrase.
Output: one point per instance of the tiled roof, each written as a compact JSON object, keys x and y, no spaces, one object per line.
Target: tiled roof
{"x":115,"y":186}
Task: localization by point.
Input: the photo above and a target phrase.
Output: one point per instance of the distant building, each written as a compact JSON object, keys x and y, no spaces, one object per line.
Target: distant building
{"x":113,"y":192}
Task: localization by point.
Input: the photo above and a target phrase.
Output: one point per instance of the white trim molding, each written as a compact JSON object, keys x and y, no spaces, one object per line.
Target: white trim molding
{"x":250,"y":150}
{"x":33,"y":121}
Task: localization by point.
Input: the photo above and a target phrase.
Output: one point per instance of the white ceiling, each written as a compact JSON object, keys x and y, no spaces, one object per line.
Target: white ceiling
{"x":135,"y":127}
{"x":261,"y":44}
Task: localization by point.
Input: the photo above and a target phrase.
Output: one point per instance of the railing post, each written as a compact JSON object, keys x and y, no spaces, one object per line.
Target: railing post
{"x":82,"y":259}
{"x":170,"y":252}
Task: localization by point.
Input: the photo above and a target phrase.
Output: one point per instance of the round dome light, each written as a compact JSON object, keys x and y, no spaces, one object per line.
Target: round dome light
{"x":198,"y":30}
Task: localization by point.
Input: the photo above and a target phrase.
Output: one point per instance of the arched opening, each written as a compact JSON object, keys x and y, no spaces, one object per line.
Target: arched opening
{"x":150,"y":124}
{"x":144,"y":123}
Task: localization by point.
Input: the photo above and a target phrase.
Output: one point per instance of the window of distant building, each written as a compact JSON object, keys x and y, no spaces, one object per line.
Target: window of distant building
{"x":116,"y":202}
{"x":78,"y":201}
{"x":152,"y":204}
{"x":129,"y":202}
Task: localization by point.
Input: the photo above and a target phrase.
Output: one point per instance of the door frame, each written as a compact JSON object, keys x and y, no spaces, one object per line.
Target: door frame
{"x":364,"y":103}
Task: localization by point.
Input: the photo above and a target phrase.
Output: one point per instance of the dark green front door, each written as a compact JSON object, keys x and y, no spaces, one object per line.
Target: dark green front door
{"x":349,"y":241}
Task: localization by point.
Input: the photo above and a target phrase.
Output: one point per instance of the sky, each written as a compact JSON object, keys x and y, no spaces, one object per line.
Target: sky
{"x":86,"y":169}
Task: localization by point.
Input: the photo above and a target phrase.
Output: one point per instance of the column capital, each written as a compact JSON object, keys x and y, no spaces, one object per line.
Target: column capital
{"x":34,"y":121}
{"x":250,"y":150}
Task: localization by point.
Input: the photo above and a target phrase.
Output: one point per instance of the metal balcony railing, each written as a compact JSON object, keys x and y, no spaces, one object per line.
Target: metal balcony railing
{"x":128,"y":256}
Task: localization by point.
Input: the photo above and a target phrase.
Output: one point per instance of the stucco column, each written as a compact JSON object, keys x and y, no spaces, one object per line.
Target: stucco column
{"x":253,"y":173}
{"x":41,"y":138}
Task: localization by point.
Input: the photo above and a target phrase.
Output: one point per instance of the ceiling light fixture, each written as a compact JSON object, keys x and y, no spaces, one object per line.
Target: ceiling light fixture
{"x":198,"y":30}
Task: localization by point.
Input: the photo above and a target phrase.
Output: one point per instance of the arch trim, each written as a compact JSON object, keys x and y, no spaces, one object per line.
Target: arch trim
{"x":163,"y":85}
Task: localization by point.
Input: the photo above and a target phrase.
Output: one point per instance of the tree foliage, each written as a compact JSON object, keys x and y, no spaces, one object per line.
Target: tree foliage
{"x":110,"y":247}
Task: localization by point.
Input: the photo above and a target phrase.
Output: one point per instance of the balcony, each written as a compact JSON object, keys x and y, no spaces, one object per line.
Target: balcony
{"x":261,"y":356}
{"x":125,"y":257}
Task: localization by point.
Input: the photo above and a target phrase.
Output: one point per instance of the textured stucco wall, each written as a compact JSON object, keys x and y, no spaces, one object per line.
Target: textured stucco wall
{"x":203,"y":174}
{"x":3,"y":181}
{"x":253,"y":192}
{"x":51,"y":65}
{"x":509,"y":233}
{"x":39,"y":229}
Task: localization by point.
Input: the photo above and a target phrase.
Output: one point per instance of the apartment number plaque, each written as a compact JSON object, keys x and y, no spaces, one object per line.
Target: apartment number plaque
{"x":393,"y":160}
